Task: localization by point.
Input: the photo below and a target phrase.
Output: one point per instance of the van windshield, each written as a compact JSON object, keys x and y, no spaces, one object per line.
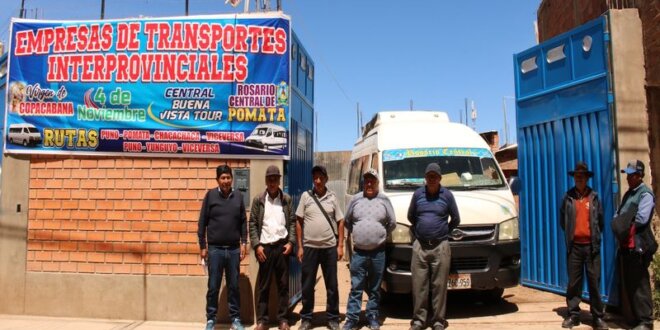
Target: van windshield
{"x":462,"y":168}
{"x":32,"y":129}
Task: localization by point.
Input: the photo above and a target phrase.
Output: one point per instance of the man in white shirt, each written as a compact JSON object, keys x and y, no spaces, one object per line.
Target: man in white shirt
{"x":272,"y":235}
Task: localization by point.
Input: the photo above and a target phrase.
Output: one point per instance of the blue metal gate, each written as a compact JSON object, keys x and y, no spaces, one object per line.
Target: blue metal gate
{"x":564,"y":115}
{"x":297,"y":171}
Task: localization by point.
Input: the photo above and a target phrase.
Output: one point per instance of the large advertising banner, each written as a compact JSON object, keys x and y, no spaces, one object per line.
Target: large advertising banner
{"x":205,"y":86}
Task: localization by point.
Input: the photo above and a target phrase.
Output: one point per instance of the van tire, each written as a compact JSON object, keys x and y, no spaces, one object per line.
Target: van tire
{"x":25,"y":143}
{"x":11,"y":140}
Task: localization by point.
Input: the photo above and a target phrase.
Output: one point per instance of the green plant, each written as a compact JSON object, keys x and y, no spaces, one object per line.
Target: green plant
{"x":655,"y":284}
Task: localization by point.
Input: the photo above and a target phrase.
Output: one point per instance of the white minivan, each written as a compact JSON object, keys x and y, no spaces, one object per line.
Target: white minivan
{"x":485,"y":248}
{"x":267,"y":136}
{"x":24,"y":134}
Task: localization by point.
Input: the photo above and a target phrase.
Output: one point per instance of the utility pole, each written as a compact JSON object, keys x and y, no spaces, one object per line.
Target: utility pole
{"x":466,"y":115}
{"x":102,"y":9}
{"x":506,"y":125}
{"x":187,"y":3}
{"x":357,"y":115}
{"x":411,"y":105}
{"x":22,"y":13}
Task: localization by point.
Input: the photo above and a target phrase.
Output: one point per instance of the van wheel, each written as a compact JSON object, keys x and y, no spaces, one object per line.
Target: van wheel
{"x":11,"y":140}
{"x":25,"y":143}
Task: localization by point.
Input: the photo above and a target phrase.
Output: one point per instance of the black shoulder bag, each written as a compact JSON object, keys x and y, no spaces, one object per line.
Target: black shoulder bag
{"x":311,"y":193}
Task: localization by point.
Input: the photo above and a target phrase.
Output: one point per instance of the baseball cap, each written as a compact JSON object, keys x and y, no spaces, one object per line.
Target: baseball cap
{"x":321,"y":169}
{"x":433,"y":167}
{"x":371,"y":172}
{"x":634,"y":166}
{"x":273,"y":170}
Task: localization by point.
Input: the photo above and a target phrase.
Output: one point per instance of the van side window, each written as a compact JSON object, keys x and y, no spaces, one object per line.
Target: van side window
{"x":364,"y":166}
{"x":354,"y":177}
{"x":374,"y":161}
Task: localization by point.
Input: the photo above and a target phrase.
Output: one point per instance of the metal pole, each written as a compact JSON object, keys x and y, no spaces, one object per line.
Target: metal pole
{"x":187,"y":6}
{"x":411,"y":104}
{"x":466,"y":115}
{"x":279,"y":5}
{"x":102,"y":9}
{"x":22,"y":13}
{"x":357,"y":116}
{"x":506,"y":124}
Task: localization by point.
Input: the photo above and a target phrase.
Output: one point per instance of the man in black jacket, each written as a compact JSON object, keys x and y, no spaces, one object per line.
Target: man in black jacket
{"x":272,"y":235}
{"x":223,"y":224}
{"x":581,"y":218}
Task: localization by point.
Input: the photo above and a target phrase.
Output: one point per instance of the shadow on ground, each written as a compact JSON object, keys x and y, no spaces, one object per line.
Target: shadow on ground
{"x":614,"y":321}
{"x":460,"y":304}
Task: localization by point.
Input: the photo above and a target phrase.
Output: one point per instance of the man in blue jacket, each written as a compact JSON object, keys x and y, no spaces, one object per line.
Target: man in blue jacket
{"x":430,"y":211}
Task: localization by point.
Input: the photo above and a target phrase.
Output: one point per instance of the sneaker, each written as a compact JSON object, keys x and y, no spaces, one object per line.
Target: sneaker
{"x":350,"y":325}
{"x":571,"y":321}
{"x":373,"y":323}
{"x":438,"y":327}
{"x":305,"y":325}
{"x":333,"y":325}
{"x":415,"y":326}
{"x":210,"y":325}
{"x":237,"y":325}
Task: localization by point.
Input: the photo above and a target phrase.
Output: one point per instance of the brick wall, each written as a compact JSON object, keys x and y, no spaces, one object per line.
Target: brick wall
{"x":558,"y":16}
{"x":117,"y":216}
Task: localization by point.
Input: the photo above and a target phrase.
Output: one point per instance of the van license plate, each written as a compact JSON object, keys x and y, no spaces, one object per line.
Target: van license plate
{"x":459,"y":281}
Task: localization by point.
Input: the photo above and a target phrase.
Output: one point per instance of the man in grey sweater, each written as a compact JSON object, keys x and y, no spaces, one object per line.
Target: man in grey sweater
{"x":369,"y":217}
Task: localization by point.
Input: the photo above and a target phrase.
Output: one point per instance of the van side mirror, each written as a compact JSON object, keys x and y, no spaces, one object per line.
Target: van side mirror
{"x":514,"y":184}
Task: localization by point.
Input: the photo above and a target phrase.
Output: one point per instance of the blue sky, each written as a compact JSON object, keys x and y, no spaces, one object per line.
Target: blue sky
{"x":382,"y":54}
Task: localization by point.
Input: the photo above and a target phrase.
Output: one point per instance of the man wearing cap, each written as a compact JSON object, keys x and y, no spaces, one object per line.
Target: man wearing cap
{"x":638,"y":249}
{"x":222,"y":232}
{"x":581,"y":218}
{"x":272,"y":236}
{"x":320,"y":235}
{"x":429,"y":213}
{"x":369,"y":218}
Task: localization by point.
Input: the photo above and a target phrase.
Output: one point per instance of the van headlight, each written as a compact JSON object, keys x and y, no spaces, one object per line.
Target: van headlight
{"x":509,"y":230}
{"x":400,"y":235}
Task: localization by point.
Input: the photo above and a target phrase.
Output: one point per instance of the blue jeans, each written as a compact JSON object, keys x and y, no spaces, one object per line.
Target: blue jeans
{"x":367,"y":269}
{"x":227,"y":259}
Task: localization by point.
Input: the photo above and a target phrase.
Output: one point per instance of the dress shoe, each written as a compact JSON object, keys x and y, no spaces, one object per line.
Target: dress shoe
{"x":284,"y":325}
{"x":571,"y":321}
{"x":599,"y":324}
{"x":305,"y":325}
{"x":261,"y":326}
{"x":643,"y":326}
{"x":333,"y":325}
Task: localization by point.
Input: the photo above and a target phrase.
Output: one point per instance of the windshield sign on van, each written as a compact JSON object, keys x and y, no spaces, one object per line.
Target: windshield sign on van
{"x":462,"y":168}
{"x":399,"y":154}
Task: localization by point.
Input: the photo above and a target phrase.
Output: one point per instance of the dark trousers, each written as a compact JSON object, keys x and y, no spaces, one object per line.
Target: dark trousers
{"x":637,"y":285}
{"x":312,"y":258}
{"x":430,"y":270}
{"x":579,"y":259}
{"x":276,"y":264}
{"x":227,"y":260}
